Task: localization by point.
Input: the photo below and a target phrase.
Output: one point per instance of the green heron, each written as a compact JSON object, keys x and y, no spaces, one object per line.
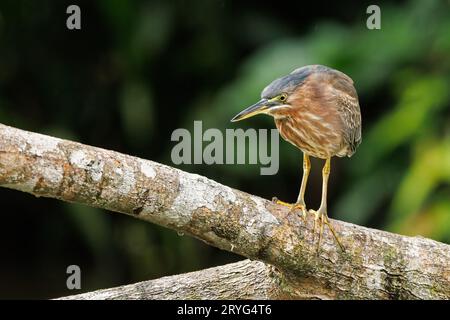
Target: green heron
{"x":316,"y":109}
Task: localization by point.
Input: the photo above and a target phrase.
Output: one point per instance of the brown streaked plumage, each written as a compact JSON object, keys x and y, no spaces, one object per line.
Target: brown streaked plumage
{"x":316,"y":109}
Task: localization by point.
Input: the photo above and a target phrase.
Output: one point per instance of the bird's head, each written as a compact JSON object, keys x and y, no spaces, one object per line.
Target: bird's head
{"x":275,"y":98}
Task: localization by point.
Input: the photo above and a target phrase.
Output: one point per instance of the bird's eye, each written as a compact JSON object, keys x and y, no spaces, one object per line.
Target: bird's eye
{"x":283,"y":97}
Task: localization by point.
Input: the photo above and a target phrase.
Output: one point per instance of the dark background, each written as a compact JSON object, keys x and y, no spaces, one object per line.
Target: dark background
{"x":137,"y":70}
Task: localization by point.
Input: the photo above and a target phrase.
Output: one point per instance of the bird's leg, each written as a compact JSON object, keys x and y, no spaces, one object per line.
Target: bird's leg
{"x":300,"y":204}
{"x":321,"y":216}
{"x":301,"y":196}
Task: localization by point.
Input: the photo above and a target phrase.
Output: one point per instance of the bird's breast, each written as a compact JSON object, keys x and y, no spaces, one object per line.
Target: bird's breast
{"x":316,"y":135}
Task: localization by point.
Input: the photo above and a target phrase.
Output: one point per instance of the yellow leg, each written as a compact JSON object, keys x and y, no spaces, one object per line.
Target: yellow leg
{"x":306,"y":170}
{"x":300,"y":204}
{"x":321,"y":215}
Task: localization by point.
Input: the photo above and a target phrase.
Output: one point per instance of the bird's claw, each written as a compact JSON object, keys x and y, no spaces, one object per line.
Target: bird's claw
{"x":321,"y":218}
{"x":292,"y":206}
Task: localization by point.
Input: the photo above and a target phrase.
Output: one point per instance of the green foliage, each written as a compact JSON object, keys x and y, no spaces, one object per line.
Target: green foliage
{"x":397,"y":64}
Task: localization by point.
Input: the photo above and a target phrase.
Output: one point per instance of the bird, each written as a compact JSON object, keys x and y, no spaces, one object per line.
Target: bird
{"x":315,"y":108}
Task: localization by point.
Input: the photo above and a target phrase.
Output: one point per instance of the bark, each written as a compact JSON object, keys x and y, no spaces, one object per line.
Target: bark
{"x":374,"y":265}
{"x":241,"y":280}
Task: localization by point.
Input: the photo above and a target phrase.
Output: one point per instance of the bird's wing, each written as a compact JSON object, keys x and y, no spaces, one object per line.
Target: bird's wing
{"x":351,"y":118}
{"x":349,"y":111}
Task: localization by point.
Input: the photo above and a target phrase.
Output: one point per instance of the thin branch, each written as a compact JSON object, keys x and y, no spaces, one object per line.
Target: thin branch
{"x":241,"y":280}
{"x":375,"y":264}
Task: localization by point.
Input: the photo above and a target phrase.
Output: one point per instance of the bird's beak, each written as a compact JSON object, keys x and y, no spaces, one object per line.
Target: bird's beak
{"x":253,"y":110}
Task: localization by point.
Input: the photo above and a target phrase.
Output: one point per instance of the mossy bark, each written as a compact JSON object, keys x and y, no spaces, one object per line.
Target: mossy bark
{"x":374,"y":265}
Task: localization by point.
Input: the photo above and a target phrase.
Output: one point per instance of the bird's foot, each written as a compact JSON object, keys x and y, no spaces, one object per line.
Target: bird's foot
{"x":321,"y":218}
{"x":293,"y":206}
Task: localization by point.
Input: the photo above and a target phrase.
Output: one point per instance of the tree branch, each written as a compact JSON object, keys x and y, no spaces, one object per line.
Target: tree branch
{"x":375,"y":264}
{"x":241,"y":280}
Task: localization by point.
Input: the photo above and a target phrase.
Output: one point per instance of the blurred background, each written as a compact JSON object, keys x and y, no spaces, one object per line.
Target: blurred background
{"x":137,"y":70}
